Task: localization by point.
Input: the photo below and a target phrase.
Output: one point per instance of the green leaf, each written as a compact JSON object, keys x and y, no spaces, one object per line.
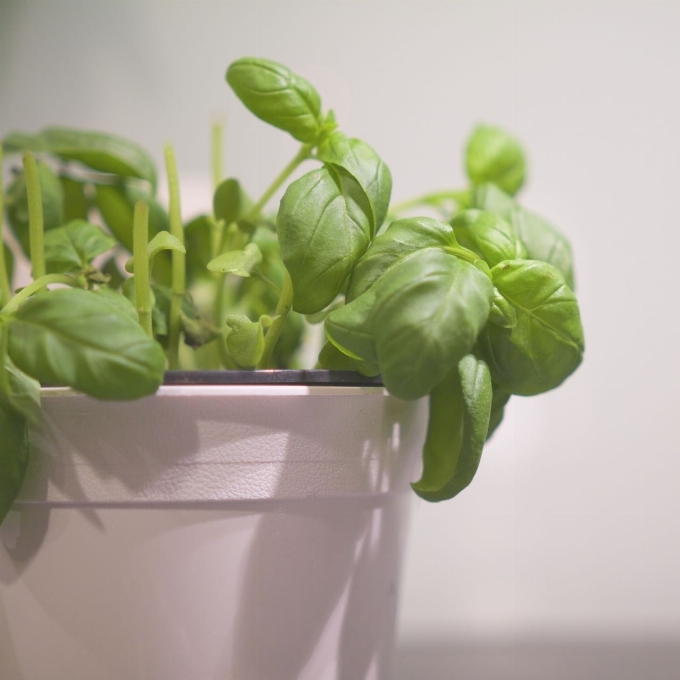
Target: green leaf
{"x":68,"y":337}
{"x":403,"y":237}
{"x":493,"y":155}
{"x":97,"y":150}
{"x":16,"y":203}
{"x":459,"y":421}
{"x":198,"y":332}
{"x":9,"y":267}
{"x":277,"y":96}
{"x":502,"y":314}
{"x":324,"y":227}
{"x":18,"y":391}
{"x":332,"y":359}
{"x":239,"y":262}
{"x":74,"y":246}
{"x":230,"y":202}
{"x":198,"y":240}
{"x":545,"y":243}
{"x":546,"y":344}
{"x":488,"y":235}
{"x":245,"y":341}
{"x":163,"y":240}
{"x":13,"y":457}
{"x":365,"y":166}
{"x":76,"y":204}
{"x":542,"y":241}
{"x":429,"y":310}
{"x":122,"y":304}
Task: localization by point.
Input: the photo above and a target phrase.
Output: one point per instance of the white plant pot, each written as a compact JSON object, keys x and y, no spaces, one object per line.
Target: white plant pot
{"x":210,"y":533}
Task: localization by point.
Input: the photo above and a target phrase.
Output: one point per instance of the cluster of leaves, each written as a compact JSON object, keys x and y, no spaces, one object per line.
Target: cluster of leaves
{"x":468,"y":309}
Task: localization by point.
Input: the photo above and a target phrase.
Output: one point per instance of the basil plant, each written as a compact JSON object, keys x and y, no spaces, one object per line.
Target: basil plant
{"x":466,"y":309}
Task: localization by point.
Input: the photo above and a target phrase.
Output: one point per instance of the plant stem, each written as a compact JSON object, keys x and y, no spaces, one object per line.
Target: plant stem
{"x":35,"y":216}
{"x":275,"y":330}
{"x":282,"y":308}
{"x":140,"y":241}
{"x":302,"y":155}
{"x":5,"y":289}
{"x":34,"y":287}
{"x":425,"y":199}
{"x":178,"y":260}
{"x":216,"y":153}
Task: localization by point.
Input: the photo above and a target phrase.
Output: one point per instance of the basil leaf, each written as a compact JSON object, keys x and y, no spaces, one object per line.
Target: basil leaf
{"x":18,"y":391}
{"x":16,"y":203}
{"x":9,"y":267}
{"x":502,"y":313}
{"x":13,"y":457}
{"x":546,"y":344}
{"x":69,"y":337}
{"x":460,"y":406}
{"x":122,"y":304}
{"x":97,"y":150}
{"x":429,"y":309}
{"x":73,"y":246}
{"x":402,"y":238}
{"x":277,"y":96}
{"x":493,"y":155}
{"x":230,"y":202}
{"x":245,"y":340}
{"x":543,"y":242}
{"x":488,"y":235}
{"x":365,"y":166}
{"x":324,"y":227}
{"x":76,"y":204}
{"x":198,"y":240}
{"x":161,"y":242}
{"x":239,"y":262}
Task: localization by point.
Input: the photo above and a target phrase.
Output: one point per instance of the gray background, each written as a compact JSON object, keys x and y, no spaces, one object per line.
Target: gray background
{"x":570,"y":530}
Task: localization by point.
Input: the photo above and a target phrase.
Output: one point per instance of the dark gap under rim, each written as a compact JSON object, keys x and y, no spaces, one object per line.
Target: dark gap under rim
{"x":273,"y":377}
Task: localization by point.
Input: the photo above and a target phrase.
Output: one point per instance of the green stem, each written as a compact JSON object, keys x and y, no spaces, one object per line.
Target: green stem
{"x":35,"y":216}
{"x":302,"y":155}
{"x":34,"y":287}
{"x":216,"y":153}
{"x":282,"y":308}
{"x":5,"y":289}
{"x":428,"y":199}
{"x":178,"y":261}
{"x":272,"y":335}
{"x":140,"y":242}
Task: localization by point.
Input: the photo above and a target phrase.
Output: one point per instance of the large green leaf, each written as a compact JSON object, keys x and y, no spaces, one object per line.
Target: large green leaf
{"x":546,"y":344}
{"x":97,"y":150}
{"x":69,"y":337}
{"x":363,"y":163}
{"x":460,"y":406}
{"x":13,"y":457}
{"x":245,"y":341}
{"x":324,"y":227}
{"x":277,"y":96}
{"x":402,"y":238}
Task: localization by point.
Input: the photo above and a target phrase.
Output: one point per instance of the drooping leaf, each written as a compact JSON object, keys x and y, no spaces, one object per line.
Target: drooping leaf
{"x":238,"y":262}
{"x":488,"y":235}
{"x":198,"y":240}
{"x":230,"y":202}
{"x":162,"y":241}
{"x":277,"y":96}
{"x":97,"y":150}
{"x":76,"y":204}
{"x":74,"y":246}
{"x":68,"y":337}
{"x":401,"y":238}
{"x":493,"y":155}
{"x":546,"y":344}
{"x":460,"y":406}
{"x":498,"y":403}
{"x":18,"y":391}
{"x":324,"y":227}
{"x":365,"y":166}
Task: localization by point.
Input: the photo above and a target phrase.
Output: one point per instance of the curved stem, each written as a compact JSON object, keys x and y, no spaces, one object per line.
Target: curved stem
{"x":429,"y":199}
{"x":34,"y":287}
{"x":282,"y":308}
{"x":140,"y":236}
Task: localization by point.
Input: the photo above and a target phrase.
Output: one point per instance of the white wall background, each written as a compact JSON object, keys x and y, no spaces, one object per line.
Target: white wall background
{"x":572,"y":526}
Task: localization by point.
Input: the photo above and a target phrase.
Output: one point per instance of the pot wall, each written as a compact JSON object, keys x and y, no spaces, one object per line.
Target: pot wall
{"x":210,"y":532}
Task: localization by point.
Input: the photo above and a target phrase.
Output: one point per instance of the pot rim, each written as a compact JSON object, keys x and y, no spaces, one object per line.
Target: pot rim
{"x":306,"y":377}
